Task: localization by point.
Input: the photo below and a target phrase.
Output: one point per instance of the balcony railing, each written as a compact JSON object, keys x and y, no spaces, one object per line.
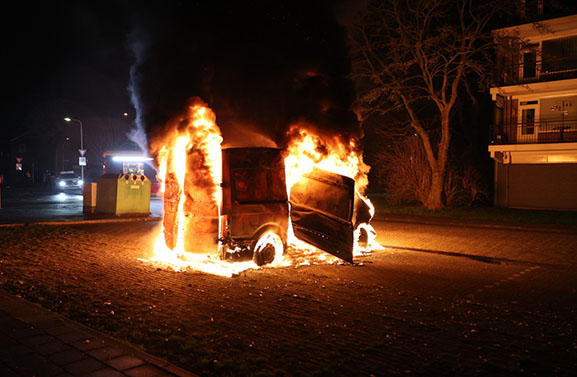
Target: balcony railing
{"x":536,"y":71}
{"x":535,"y":132}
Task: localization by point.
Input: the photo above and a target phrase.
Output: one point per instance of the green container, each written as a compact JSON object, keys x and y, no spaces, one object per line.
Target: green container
{"x":123,"y":194}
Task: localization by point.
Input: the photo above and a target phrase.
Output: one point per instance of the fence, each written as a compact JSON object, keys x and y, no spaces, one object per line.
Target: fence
{"x":535,"y":132}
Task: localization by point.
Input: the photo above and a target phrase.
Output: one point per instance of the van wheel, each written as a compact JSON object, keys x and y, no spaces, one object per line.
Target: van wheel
{"x":268,"y":248}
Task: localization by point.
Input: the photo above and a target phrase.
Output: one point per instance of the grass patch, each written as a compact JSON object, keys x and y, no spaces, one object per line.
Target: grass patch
{"x":484,"y":213}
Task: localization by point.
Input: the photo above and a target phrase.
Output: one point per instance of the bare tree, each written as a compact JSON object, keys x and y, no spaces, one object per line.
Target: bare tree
{"x":406,"y":171}
{"x":413,"y":57}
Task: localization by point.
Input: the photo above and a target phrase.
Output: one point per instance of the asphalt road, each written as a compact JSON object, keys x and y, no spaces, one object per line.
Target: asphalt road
{"x":439,"y":300}
{"x":25,"y":205}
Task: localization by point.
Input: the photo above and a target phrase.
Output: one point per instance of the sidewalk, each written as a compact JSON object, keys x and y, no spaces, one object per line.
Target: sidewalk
{"x":37,"y":342}
{"x":444,"y":221}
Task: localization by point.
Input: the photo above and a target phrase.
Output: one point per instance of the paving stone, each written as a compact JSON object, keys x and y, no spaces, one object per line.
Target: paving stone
{"x":34,"y":365}
{"x":6,"y":371}
{"x":48,"y":370}
{"x":16,"y":324}
{"x":60,"y":330}
{"x":30,"y":316}
{"x":106,"y":353}
{"x":48,"y":323}
{"x":66,"y":357}
{"x":50,"y":348}
{"x":19,"y":349}
{"x":84,"y":366}
{"x":40,"y":344}
{"x":145,"y":370}
{"x":23,"y":332}
{"x":6,"y":341}
{"x":73,"y":336}
{"x":38,"y":340}
{"x":5,"y":322}
{"x":125,"y":362}
{"x":108,"y":372}
{"x":89,"y":344}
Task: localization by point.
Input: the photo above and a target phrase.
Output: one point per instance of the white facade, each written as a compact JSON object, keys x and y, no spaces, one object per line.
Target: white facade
{"x":536,"y":115}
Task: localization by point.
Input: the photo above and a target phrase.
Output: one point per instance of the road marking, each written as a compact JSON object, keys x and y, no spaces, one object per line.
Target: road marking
{"x":506,"y":279}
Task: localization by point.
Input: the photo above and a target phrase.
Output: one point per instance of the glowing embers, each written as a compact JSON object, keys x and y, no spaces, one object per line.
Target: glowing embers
{"x":165,"y":257}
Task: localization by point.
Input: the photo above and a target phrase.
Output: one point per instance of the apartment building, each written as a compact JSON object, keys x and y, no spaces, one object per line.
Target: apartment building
{"x":534,"y":135}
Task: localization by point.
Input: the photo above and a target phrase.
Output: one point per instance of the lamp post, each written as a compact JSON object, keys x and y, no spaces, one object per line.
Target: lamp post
{"x":81,"y":141}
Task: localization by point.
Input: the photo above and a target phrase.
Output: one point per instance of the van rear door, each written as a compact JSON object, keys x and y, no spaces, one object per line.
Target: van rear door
{"x":321,"y":212}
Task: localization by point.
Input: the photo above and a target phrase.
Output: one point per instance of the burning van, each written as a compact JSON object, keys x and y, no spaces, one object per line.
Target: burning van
{"x":256,"y":213}
{"x":252,"y":204}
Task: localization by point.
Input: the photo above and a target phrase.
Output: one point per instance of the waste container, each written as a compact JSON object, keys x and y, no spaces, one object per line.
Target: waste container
{"x":89,"y":195}
{"x":123,"y":194}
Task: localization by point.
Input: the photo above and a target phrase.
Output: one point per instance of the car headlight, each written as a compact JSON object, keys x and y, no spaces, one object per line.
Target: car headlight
{"x":61,"y":183}
{"x":80,"y":182}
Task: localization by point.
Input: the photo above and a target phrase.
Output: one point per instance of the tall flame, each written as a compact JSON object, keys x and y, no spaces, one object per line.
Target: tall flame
{"x":190,"y":172}
{"x":194,"y":134}
{"x":307,"y":150}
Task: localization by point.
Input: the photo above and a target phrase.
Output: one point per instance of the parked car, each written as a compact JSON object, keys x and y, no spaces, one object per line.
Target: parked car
{"x":67,"y":180}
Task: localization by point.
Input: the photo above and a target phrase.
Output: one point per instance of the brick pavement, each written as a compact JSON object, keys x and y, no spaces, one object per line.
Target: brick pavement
{"x":38,"y":342}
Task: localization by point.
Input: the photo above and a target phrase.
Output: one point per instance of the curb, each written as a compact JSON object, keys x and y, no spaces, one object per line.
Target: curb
{"x":465,"y":224}
{"x":80,"y":222}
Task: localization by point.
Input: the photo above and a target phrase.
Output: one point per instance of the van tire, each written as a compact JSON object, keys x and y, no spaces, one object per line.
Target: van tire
{"x":265,"y":247}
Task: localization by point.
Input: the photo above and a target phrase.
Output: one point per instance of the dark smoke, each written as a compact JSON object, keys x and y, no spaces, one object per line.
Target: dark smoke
{"x":261,"y":66}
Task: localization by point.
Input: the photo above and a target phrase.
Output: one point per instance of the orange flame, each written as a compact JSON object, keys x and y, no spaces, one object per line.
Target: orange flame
{"x":306,"y":151}
{"x":196,"y":137}
{"x":195,"y":133}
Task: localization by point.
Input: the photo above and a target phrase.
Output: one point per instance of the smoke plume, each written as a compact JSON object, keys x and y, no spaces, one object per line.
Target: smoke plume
{"x":260,"y":66}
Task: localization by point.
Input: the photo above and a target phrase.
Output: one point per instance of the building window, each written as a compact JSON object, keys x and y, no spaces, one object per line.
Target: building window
{"x":559,"y":55}
{"x":530,"y":65}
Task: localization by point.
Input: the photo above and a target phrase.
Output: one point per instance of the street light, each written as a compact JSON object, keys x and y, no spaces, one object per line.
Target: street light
{"x":81,"y":142}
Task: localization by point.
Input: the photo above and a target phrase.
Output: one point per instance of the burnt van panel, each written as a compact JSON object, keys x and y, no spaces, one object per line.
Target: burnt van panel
{"x":258,"y":186}
{"x":321,"y":212}
{"x":254,"y":192}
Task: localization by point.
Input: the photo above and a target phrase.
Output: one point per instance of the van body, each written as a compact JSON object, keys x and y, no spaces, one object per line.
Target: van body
{"x":324,"y":208}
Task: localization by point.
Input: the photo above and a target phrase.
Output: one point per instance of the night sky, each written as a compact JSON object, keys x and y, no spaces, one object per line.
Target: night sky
{"x":260,"y":65}
{"x":61,"y":51}
{"x":60,"y":59}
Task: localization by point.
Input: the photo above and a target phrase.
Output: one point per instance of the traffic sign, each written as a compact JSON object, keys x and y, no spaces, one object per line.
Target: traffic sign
{"x":19,"y":166}
{"x":82,"y":152}
{"x":82,"y":161}
{"x":19,"y":159}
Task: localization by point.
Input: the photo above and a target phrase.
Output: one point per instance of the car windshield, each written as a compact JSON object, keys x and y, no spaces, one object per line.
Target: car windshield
{"x":68,"y":176}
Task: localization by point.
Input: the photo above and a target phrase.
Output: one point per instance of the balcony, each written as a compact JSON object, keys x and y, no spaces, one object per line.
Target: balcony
{"x":536,"y":132}
{"x":538,"y":71}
